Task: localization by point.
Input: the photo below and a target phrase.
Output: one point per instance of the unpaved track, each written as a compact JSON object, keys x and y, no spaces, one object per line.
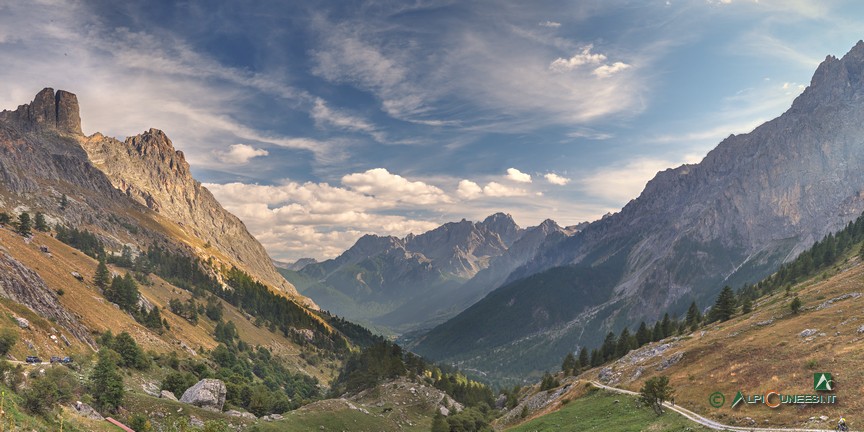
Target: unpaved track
{"x":708,"y":422}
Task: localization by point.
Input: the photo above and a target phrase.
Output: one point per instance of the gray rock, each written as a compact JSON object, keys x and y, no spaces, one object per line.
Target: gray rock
{"x":246,"y":415}
{"x":87,"y":411}
{"x":671,"y":360}
{"x":165,"y":394}
{"x":828,"y":303}
{"x":195,"y":421}
{"x":808,"y":332}
{"x":22,"y":322}
{"x":272,"y":417}
{"x":208,"y":394}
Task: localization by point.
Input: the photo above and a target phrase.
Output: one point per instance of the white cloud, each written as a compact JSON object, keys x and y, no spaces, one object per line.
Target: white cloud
{"x":381,"y":183}
{"x":589,"y":133}
{"x":323,"y":115}
{"x":469,"y":190}
{"x":586,"y":57}
{"x":550,"y":24}
{"x":518,"y":176}
{"x":240,"y":154}
{"x":555,"y":179}
{"x":494,"y":189}
{"x":606,"y":70}
{"x":622,"y":182}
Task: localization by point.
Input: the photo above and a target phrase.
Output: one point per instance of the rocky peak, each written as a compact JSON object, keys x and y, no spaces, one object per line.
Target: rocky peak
{"x":48,"y":111}
{"x":835,"y":81}
{"x":154,"y":144}
{"x":503,"y":225}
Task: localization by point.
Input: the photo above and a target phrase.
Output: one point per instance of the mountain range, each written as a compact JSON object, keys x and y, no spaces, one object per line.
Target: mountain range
{"x":406,"y":284}
{"x":755,"y":201}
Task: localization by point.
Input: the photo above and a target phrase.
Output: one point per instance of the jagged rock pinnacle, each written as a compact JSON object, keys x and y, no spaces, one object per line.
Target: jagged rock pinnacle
{"x":48,"y":111}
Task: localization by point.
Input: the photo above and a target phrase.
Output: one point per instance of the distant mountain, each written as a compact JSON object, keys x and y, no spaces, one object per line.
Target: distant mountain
{"x":294,"y":266}
{"x":755,"y":201}
{"x":410,"y":283}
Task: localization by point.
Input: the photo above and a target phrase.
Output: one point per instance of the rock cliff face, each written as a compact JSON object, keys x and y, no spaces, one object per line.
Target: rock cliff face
{"x":755,"y":201}
{"x":44,"y":155}
{"x":22,"y":285}
{"x":149,"y":170}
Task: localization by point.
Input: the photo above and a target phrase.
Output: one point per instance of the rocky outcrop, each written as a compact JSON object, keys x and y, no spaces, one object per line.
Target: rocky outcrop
{"x":22,"y":285}
{"x":48,"y":111}
{"x":165,"y":394}
{"x":148,"y":169}
{"x":87,"y":411}
{"x":207,"y":393}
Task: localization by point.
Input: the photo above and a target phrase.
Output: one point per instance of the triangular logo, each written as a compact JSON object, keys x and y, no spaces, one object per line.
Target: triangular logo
{"x":823,"y":382}
{"x":738,"y":398}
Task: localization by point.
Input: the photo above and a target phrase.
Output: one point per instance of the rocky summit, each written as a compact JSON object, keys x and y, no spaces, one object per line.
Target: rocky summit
{"x":755,"y":201}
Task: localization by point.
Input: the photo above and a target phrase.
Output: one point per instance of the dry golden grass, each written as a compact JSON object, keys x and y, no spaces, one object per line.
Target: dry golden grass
{"x":84,"y":301}
{"x":741,"y":355}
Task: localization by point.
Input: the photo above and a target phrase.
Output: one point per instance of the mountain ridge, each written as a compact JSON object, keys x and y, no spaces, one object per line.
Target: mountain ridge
{"x":753,"y":202}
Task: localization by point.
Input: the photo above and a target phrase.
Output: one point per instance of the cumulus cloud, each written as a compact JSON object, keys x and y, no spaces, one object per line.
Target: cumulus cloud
{"x":550,"y":24}
{"x":381,"y":183}
{"x":518,"y":176}
{"x":606,"y":71}
{"x":494,"y":189}
{"x":586,"y":57}
{"x":239,"y":154}
{"x":622,"y":182}
{"x":468,"y":189}
{"x":556,"y":179}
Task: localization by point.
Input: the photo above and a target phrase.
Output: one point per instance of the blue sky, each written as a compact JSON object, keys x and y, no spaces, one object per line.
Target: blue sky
{"x":317,"y":122}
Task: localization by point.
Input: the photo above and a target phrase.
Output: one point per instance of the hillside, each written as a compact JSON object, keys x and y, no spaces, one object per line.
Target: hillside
{"x":771,"y":348}
{"x":755,"y":201}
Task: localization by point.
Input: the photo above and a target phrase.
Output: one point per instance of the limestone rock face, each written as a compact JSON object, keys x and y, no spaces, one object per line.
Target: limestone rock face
{"x":20,"y":284}
{"x":148,"y":169}
{"x":48,"y":111}
{"x":208,"y":393}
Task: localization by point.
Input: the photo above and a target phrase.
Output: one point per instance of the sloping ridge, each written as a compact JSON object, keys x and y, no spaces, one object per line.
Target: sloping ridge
{"x":43,"y":155}
{"x":755,"y":201}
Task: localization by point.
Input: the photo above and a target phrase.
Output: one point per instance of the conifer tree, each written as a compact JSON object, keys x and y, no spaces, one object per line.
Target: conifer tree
{"x":40,"y":223}
{"x":624,"y":344}
{"x":643,"y":335}
{"x":725,"y":305}
{"x":657,"y":332}
{"x":569,"y":364}
{"x":609,"y":345}
{"x":25,"y":224}
{"x":795,"y":305}
{"x":666,"y":326}
{"x":746,"y":305}
{"x":102,"y":277}
{"x":694,"y":316}
{"x":584,"y":361}
{"x":106,"y":383}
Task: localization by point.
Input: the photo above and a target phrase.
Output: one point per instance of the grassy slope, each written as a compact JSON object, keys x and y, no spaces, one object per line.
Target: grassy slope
{"x":743,"y":355}
{"x":604,"y":411}
{"x":95,"y":313}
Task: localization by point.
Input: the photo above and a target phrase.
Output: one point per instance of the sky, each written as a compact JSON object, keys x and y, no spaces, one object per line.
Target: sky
{"x":317,"y":122}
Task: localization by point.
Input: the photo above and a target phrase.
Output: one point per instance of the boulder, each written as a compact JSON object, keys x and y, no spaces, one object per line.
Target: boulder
{"x":246,"y":415}
{"x":22,"y":322}
{"x":87,"y":411}
{"x":165,"y":394}
{"x":207,"y":393}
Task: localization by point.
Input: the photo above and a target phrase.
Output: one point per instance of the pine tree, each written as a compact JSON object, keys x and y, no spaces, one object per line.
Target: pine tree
{"x":596,"y":358}
{"x":584,"y":361}
{"x":609,"y":345}
{"x":5,"y":219}
{"x":64,"y":202}
{"x":795,"y":305}
{"x":568,"y":366}
{"x":624,"y":344}
{"x":666,"y":326}
{"x":746,"y":305}
{"x":657,"y":332}
{"x":643,"y":335}
{"x":102,"y":277}
{"x":106,"y":383}
{"x":40,"y":223}
{"x":725,"y":305}
{"x":694,"y":316}
{"x":25,"y":224}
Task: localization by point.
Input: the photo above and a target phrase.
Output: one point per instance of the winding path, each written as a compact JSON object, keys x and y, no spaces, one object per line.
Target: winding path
{"x":711,"y":424}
